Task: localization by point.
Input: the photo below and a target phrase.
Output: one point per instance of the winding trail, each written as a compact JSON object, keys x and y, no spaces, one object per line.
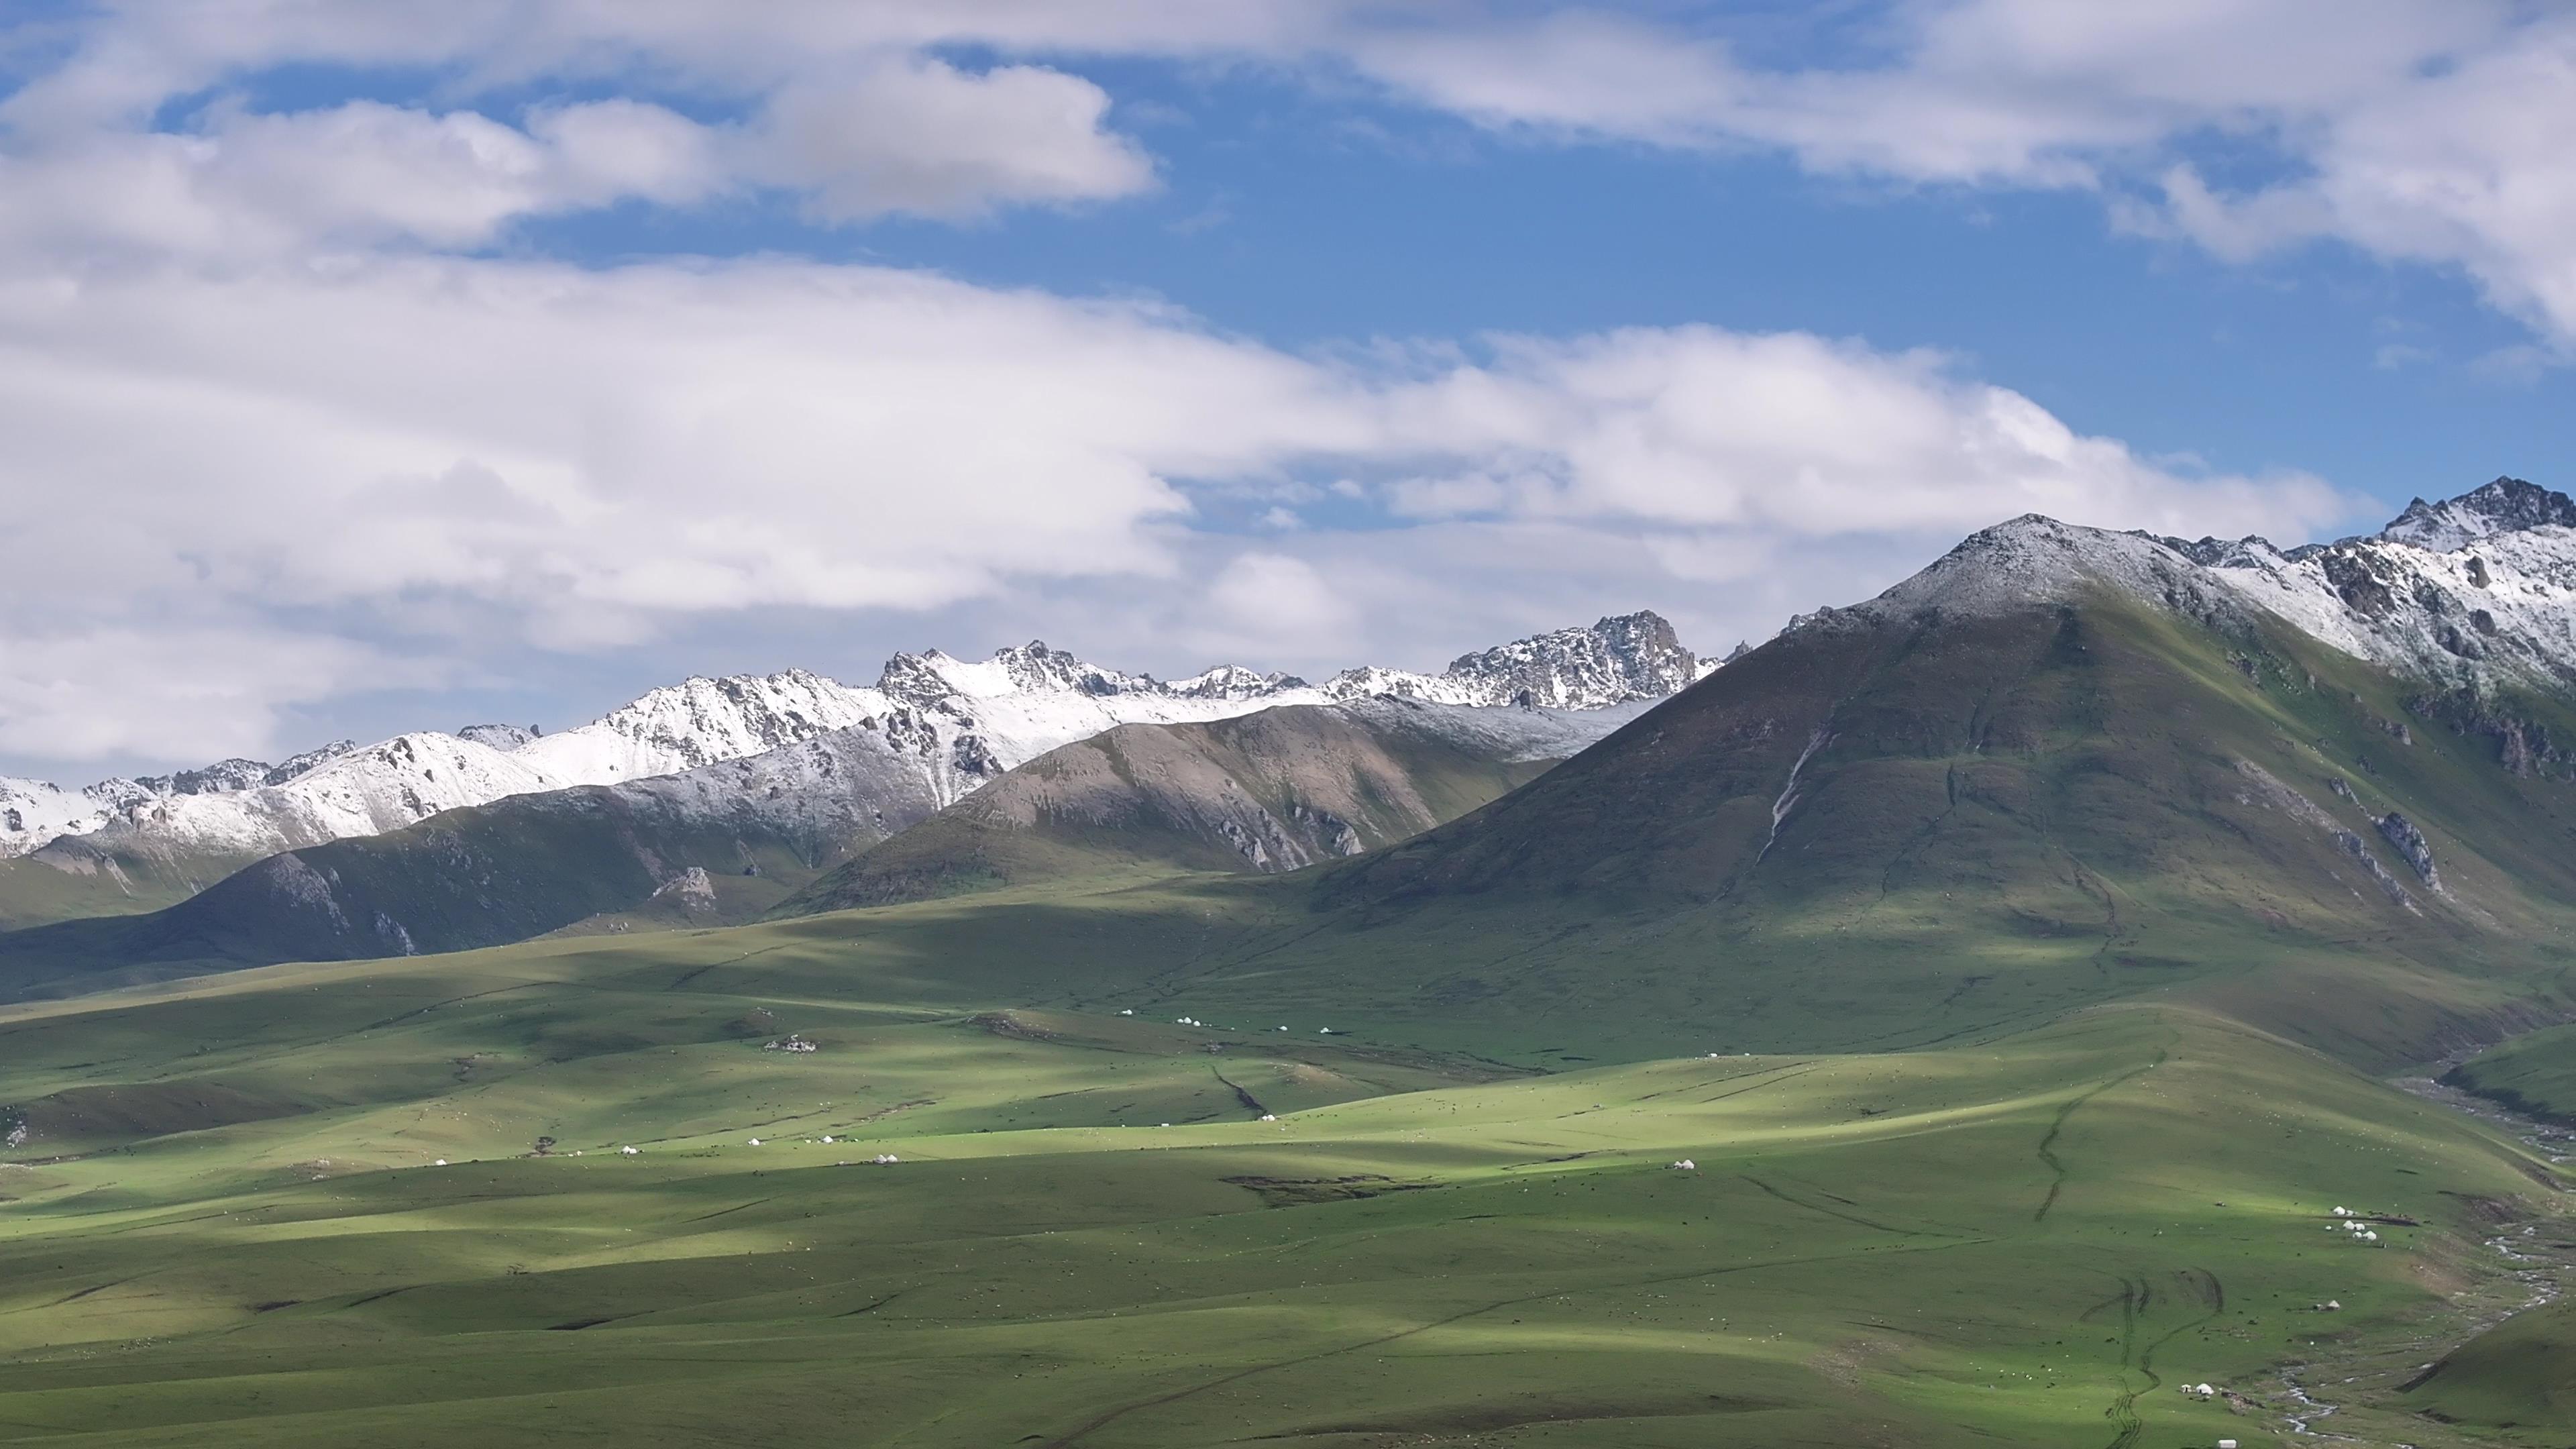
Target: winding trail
{"x":2048,"y":1141}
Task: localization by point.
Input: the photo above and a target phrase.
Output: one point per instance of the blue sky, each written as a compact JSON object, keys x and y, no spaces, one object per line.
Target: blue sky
{"x":366,"y":377}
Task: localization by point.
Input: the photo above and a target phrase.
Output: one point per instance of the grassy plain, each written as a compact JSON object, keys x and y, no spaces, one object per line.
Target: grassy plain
{"x":226,"y":1228}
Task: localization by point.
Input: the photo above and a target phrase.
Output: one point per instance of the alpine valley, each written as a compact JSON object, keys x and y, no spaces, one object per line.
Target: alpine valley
{"x":2104,"y":990}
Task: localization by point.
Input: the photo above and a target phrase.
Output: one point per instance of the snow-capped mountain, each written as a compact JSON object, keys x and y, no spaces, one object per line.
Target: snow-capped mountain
{"x":2507,"y":505}
{"x":1631,"y":656}
{"x":966,"y":721}
{"x":2469,"y":593}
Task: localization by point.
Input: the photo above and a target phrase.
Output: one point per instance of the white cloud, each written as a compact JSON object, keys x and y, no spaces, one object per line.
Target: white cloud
{"x":171,"y":691}
{"x":488,"y":455}
{"x":270,"y":435}
{"x":245,"y":185}
{"x":856,"y":121}
{"x":2466,"y":167}
{"x":926,"y":138}
{"x":1698,"y":427}
{"x":2420,"y":130}
{"x":2430,"y":131}
{"x":1265,"y":604}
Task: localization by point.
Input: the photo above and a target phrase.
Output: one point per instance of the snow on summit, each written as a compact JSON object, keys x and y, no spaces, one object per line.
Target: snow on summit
{"x":956,"y":722}
{"x":2474,"y":590}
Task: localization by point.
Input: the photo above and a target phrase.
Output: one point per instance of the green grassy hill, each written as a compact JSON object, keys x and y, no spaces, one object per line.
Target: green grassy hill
{"x":75,"y":878}
{"x":1909,"y":827}
{"x":1267,"y":791}
{"x":2521,"y":1375}
{"x":481,"y":876}
{"x":2534,"y":1074}
{"x":1270,"y":791}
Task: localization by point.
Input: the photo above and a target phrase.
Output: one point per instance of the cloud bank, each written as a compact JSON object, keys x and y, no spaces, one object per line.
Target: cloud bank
{"x":293,"y":414}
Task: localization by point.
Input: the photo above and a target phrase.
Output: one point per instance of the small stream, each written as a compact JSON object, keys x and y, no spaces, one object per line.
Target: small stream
{"x":2310,"y":1411}
{"x":2540,"y":1277}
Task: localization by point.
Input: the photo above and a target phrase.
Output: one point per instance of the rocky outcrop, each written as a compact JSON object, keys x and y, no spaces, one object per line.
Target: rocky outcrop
{"x":2411,"y":844}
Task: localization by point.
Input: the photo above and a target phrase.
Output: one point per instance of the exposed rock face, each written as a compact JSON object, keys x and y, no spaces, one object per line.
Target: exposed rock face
{"x":1631,"y":656}
{"x":2524,"y":747}
{"x":504,"y":737}
{"x":692,"y":890}
{"x":2410,"y":843}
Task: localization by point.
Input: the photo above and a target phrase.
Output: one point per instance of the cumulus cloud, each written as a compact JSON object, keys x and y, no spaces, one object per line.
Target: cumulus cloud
{"x":2428,"y":131}
{"x":858,"y":123}
{"x":926,"y":138}
{"x":2465,"y":167}
{"x":289,"y":416}
{"x":1699,"y":427}
{"x":170,"y":691}
{"x":2420,"y":130}
{"x":488,"y":451}
{"x":248,"y":185}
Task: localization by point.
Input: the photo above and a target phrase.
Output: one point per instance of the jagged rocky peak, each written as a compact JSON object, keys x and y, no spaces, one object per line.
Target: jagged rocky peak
{"x":218,"y":778}
{"x":1033,"y":667}
{"x":307,"y":761}
{"x":1620,"y":658}
{"x":502,"y":737}
{"x":2507,"y":505}
{"x":223,"y":777}
{"x":2222,"y":553}
{"x":701,"y":720}
{"x":1233,"y":681}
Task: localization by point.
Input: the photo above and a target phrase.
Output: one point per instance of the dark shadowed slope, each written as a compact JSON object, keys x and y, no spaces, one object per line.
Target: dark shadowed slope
{"x":2056,"y":767}
{"x":722,"y":842}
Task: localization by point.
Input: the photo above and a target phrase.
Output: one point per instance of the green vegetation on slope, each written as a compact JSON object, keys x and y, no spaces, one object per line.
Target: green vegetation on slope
{"x":2521,"y":1374}
{"x":34,"y":891}
{"x":1265,"y":792}
{"x":2032,"y":1240}
{"x":1269,"y":791}
{"x":482,"y":876}
{"x":2534,"y":1074}
{"x":1885,"y":822}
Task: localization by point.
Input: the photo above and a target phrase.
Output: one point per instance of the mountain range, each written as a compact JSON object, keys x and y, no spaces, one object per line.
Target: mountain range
{"x":444,"y":842}
{"x":2128,"y":756}
{"x":942,"y":724}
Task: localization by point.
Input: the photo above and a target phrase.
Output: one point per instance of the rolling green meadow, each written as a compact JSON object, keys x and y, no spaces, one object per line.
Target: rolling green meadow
{"x":1095,"y":1234}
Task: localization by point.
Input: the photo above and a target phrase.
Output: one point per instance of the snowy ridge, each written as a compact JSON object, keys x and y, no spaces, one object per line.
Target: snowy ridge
{"x":2477,"y":590}
{"x":699,"y":722}
{"x":2507,"y":505}
{"x":1541,"y":733}
{"x":948,"y":725}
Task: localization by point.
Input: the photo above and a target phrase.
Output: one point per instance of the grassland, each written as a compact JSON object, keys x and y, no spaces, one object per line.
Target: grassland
{"x":227,"y":1228}
{"x":2534,"y":1074}
{"x":2020,"y":1064}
